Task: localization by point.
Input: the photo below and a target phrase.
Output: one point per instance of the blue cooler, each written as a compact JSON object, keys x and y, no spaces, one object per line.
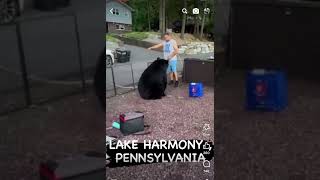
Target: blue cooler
{"x":195,"y":90}
{"x":266,"y":90}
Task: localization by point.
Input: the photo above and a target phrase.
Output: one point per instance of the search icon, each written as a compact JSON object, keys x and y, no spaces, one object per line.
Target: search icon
{"x":184,"y":11}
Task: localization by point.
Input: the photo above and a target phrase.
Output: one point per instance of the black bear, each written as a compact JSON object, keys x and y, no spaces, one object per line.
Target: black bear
{"x":100,"y":79}
{"x":153,"y":81}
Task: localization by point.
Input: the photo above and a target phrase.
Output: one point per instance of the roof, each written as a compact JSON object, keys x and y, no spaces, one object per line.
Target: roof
{"x":123,"y":3}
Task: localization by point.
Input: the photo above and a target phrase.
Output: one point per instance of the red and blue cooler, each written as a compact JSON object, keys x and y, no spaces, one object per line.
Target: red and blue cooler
{"x":266,"y":90}
{"x":195,"y":90}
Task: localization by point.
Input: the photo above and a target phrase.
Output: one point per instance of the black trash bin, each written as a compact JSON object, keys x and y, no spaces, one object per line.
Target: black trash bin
{"x":198,"y":70}
{"x":122,"y":55}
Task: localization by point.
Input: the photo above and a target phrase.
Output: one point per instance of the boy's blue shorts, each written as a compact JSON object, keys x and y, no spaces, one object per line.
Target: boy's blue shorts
{"x":172,"y":66}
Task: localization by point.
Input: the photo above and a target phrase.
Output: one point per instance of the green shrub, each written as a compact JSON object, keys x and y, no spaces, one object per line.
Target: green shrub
{"x":111,"y":38}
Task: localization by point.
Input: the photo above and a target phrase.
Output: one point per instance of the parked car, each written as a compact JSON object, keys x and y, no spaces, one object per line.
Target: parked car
{"x":109,"y":57}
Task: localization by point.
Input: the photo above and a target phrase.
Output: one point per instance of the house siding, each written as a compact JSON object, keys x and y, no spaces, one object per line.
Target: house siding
{"x":124,"y":17}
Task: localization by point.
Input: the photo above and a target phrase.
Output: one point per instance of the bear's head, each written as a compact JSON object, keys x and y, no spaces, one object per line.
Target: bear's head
{"x":161,"y":63}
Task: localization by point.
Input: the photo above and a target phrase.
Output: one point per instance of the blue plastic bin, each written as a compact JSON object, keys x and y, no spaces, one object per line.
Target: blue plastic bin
{"x":266,"y":90}
{"x":195,"y":90}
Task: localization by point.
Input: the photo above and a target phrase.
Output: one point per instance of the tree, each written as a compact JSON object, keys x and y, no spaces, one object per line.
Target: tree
{"x":203,"y":20}
{"x":162,"y":16}
{"x":184,"y":19}
{"x":149,"y":21}
{"x":196,"y":20}
{"x":158,"y":15}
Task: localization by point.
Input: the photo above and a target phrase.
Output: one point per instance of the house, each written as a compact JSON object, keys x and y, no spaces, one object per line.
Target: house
{"x":118,"y":16}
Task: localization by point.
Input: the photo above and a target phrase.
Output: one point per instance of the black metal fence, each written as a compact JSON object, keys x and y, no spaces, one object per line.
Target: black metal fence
{"x":30,"y":77}
{"x":112,"y":86}
{"x":113,"y":73}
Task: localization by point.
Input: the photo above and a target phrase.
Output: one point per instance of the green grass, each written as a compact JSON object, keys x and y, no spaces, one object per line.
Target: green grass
{"x":111,"y":38}
{"x":137,"y":35}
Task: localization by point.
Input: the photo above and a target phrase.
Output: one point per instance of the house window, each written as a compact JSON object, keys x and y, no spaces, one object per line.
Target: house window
{"x":115,"y":11}
{"x":120,"y":27}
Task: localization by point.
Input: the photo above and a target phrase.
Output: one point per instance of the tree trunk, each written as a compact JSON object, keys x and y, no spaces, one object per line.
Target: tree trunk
{"x":149,"y":23}
{"x":202,"y":25}
{"x":160,"y":16}
{"x":166,"y":22}
{"x":196,"y":21}
{"x":184,"y":19}
{"x":196,"y":25}
{"x":164,"y":28}
{"x":203,"y":21}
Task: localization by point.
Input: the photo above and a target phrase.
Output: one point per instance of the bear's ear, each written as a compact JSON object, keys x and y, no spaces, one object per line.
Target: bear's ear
{"x":158,"y":59}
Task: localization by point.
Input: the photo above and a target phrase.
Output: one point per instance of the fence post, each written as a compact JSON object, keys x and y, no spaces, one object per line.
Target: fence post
{"x":76,"y":28}
{"x":133,"y":83}
{"x":114,"y":82}
{"x":23,"y":65}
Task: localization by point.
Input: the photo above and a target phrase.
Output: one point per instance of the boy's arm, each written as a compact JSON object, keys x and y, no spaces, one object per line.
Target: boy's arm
{"x":175,"y":52}
{"x":156,"y":46}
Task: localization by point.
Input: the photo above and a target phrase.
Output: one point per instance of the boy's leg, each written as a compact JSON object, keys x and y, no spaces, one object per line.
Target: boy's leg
{"x":169,"y":71}
{"x":176,"y":83}
{"x":174,"y":72}
{"x":171,"y":76}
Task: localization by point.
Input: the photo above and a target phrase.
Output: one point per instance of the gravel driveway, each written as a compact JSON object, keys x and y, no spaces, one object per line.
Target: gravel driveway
{"x":266,"y":145}
{"x":175,"y":116}
{"x":64,"y":128}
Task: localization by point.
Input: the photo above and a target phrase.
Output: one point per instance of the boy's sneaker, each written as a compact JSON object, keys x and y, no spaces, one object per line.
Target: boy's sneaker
{"x":176,"y":84}
{"x":171,"y":82}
